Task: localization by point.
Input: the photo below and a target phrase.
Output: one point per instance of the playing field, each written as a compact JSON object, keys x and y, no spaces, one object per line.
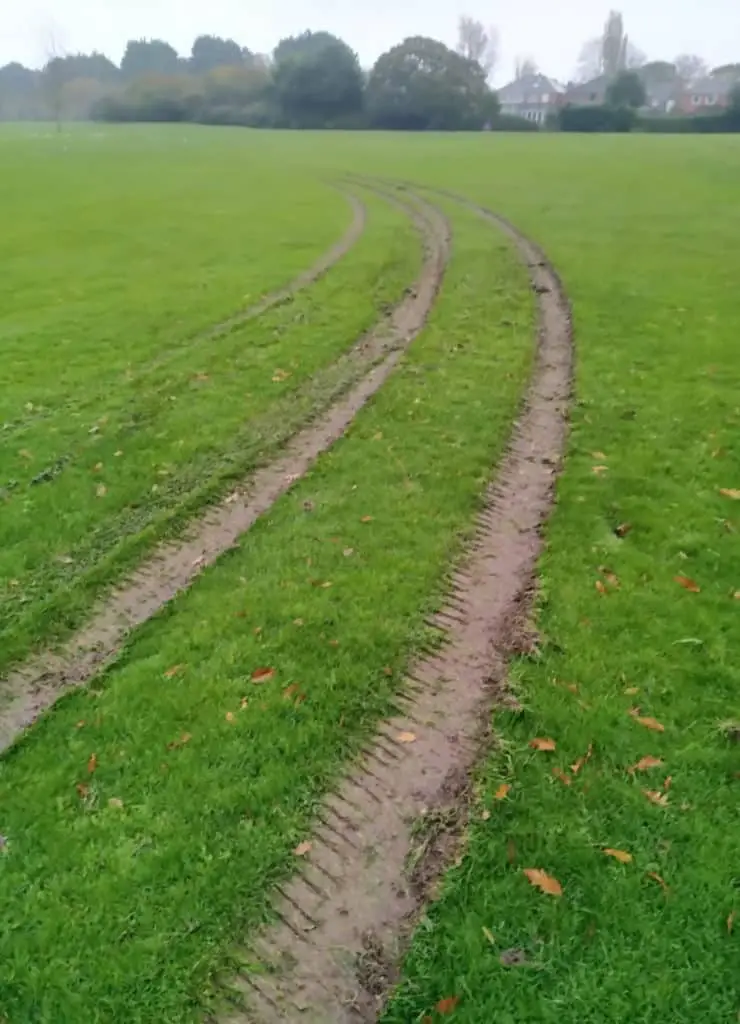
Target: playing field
{"x":279,"y":443}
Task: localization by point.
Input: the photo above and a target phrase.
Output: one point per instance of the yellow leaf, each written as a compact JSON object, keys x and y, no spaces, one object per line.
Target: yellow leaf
{"x":229,"y":716}
{"x":92,"y":764}
{"x":303,"y":848}
{"x":656,"y":797}
{"x":632,"y":690}
{"x":621,"y":855}
{"x":406,"y":737}
{"x":730,"y":492}
{"x":544,"y":882}
{"x":645,"y":763}
{"x":598,"y":470}
{"x":502,"y":791}
{"x":650,"y":723}
{"x":542,"y":744}
{"x":101,"y":490}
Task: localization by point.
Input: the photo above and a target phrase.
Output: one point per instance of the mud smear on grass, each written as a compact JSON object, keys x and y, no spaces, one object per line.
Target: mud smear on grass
{"x":34,"y":686}
{"x":389,"y":831}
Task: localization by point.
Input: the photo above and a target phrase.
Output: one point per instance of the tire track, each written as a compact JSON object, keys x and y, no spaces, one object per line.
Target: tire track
{"x":34,"y":686}
{"x":387,"y":833}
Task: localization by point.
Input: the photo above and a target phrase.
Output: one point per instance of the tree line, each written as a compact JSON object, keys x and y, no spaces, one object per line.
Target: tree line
{"x":313,"y":80}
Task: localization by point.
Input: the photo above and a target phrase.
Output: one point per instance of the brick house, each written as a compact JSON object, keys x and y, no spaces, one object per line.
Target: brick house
{"x":533,"y":97}
{"x":708,"y":94}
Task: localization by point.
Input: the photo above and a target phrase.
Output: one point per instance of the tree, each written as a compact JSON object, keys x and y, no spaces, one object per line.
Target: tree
{"x":627,"y":90}
{"x":211,"y":52}
{"x":149,"y":57}
{"x":19,"y":93}
{"x":525,"y":66}
{"x":614,"y":45}
{"x":734,"y":100}
{"x":422,"y":84}
{"x":658,"y":72}
{"x":690,"y":68}
{"x":318,"y":80}
{"x":475,"y":42}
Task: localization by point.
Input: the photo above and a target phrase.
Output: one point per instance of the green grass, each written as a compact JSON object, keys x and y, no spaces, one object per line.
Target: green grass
{"x":122,"y":913}
{"x":117,"y":440}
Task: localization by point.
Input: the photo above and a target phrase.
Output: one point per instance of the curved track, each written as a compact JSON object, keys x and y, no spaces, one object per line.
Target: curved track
{"x":343,"y":920}
{"x":35,"y":685}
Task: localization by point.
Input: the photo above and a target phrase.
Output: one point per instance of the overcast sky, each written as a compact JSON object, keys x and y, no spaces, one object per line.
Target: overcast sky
{"x":549,"y":31}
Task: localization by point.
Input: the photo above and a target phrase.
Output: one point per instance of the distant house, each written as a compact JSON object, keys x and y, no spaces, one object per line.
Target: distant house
{"x":663,"y":97}
{"x":708,"y":94}
{"x":533,"y":96}
{"x":588,"y":94}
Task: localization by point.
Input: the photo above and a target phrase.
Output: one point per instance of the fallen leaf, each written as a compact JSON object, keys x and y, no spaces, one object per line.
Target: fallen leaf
{"x":649,"y":723}
{"x":688,"y":584}
{"x":656,"y":797}
{"x":244,"y":703}
{"x":667,"y":782}
{"x":303,"y":848}
{"x":631,"y":691}
{"x":82,"y":790}
{"x":297,"y":622}
{"x":445,"y":1006}
{"x":92,"y":763}
{"x":489,"y":935}
{"x":185,"y":738}
{"x":577,"y":765}
{"x":229,"y":716}
{"x":101,"y":490}
{"x":730,"y":492}
{"x":485,"y":816}
{"x":80,"y":724}
{"x":326,"y":585}
{"x":599,"y":455}
{"x":502,"y":791}
{"x":601,"y":587}
{"x":97,"y":467}
{"x":645,"y":763}
{"x":262,"y":675}
{"x":544,"y":882}
{"x":621,"y":855}
{"x":348,"y":552}
{"x":542,"y":744}
{"x":406,"y":737}
{"x":730,"y":922}
{"x":736,"y":595}
{"x":623,"y":529}
{"x":598,"y":470}
{"x":171,"y":672}
{"x":117,"y":454}
{"x":387,"y":671}
{"x":573,"y":687}
{"x":115,"y":802}
{"x":656,"y":878}
{"x":514,"y":958}
{"x":562,"y":776}
{"x":612,"y":579}
{"x":366,"y":519}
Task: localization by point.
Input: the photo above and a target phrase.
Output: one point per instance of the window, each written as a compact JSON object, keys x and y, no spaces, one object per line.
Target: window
{"x":545,"y":97}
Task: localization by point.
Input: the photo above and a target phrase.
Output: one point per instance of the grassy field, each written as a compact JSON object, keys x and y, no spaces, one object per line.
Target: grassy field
{"x":146,"y":820}
{"x":101,"y":390}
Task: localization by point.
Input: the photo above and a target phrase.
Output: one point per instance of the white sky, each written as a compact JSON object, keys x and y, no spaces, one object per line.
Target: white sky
{"x":551,"y":32}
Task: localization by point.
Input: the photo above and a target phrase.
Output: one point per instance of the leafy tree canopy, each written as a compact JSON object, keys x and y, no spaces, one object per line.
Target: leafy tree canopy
{"x":317,"y":79}
{"x":211,"y":52}
{"x":627,"y":90}
{"x":149,"y":57}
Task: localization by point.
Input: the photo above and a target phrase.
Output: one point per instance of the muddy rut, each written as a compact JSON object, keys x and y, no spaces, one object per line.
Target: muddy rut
{"x":34,"y":686}
{"x":386,"y":834}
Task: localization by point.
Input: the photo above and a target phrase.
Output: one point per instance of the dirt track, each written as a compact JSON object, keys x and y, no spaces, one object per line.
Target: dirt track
{"x":386,"y":835}
{"x":27,"y":691}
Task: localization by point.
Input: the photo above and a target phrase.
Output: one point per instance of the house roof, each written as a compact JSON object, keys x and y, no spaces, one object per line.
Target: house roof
{"x":584,"y":90}
{"x":712,"y":85}
{"x":529,"y":89}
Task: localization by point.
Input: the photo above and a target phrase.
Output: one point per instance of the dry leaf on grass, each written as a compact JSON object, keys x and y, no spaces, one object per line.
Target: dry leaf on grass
{"x":82,"y":790}
{"x":262,"y":675}
{"x":447,"y":1005}
{"x":645,"y":763}
{"x":544,"y":882}
{"x":562,"y":776}
{"x":631,"y":691}
{"x":577,"y":765}
{"x":647,"y":721}
{"x":502,"y":791}
{"x":92,"y":763}
{"x":185,"y":738}
{"x":366,"y":519}
{"x":623,"y":529}
{"x":406,"y":737}
{"x":229,"y":716}
{"x":542,"y":744}
{"x":621,"y":855}
{"x":656,"y":878}
{"x":656,"y":797}
{"x":101,"y":490}
{"x":688,"y":584}
{"x":598,"y":470}
{"x":172,"y":672}
{"x":730,"y":492}
{"x":601,"y":587}
{"x":303,"y":848}
{"x":115,"y":803}
{"x":730,"y":922}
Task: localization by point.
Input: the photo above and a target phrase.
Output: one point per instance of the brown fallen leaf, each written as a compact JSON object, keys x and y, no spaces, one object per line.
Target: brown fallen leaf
{"x":445,"y":1006}
{"x":406,"y":737}
{"x":366,"y":519}
{"x":730,"y":492}
{"x":631,"y":691}
{"x":601,"y":587}
{"x":562,"y":776}
{"x":542,"y":881}
{"x":688,"y":584}
{"x":656,"y":797}
{"x":667,"y":783}
{"x":577,"y":765}
{"x":82,"y":790}
{"x":101,"y":490}
{"x":542,"y":744}
{"x":573,"y":687}
{"x":348,"y":552}
{"x":623,"y":529}
{"x":185,"y":738}
{"x":502,"y":791}
{"x":92,"y":763}
{"x":599,"y":455}
{"x":514,"y":958}
{"x":115,"y":802}
{"x":656,"y":878}
{"x":303,"y":848}
{"x":297,"y":622}
{"x":646,"y":763}
{"x":598,"y":470}
{"x":649,"y":723}
{"x":621,"y":855}
{"x":731,"y":922}
{"x":172,"y":672}
{"x":80,"y":724}
{"x":229,"y":716}
{"x":262,"y":675}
